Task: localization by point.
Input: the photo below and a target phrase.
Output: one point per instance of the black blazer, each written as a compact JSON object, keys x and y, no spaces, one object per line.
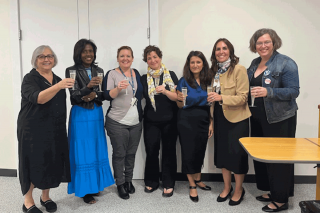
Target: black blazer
{"x":81,"y":89}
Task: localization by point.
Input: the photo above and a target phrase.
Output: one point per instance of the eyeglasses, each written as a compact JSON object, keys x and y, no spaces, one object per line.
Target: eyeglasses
{"x":43,"y":57}
{"x":266,"y":43}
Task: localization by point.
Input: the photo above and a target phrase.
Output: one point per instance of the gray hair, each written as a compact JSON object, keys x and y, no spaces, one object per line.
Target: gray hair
{"x":276,"y":40}
{"x":38,"y":51}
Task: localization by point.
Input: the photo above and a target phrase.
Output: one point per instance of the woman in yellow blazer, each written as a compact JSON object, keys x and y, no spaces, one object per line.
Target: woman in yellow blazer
{"x":231,"y":118}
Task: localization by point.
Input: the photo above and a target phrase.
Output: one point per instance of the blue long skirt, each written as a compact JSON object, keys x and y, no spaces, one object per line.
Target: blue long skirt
{"x":89,"y":162}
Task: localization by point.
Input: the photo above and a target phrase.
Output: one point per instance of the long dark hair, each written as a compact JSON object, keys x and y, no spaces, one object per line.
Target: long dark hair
{"x":79,"y":47}
{"x":234,"y":59}
{"x":205,"y":74}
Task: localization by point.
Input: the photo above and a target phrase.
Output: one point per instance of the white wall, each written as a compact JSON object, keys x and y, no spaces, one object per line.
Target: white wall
{"x":186,"y":25}
{"x":10,"y":81}
{"x":178,"y":27}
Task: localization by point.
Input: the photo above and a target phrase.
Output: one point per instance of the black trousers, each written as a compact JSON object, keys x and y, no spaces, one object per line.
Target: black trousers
{"x":166,"y":132}
{"x":278,"y":178}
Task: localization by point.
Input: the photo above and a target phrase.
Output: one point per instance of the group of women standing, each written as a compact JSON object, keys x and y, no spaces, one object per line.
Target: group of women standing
{"x":172,"y":108}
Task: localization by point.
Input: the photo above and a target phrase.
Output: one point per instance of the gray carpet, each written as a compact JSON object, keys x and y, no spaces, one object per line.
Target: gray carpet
{"x":12,"y":199}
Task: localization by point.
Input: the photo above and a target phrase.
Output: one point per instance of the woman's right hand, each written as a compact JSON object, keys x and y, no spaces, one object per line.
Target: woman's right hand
{"x":210,"y":97}
{"x":95,"y":81}
{"x":122,"y":85}
{"x":66,"y":83}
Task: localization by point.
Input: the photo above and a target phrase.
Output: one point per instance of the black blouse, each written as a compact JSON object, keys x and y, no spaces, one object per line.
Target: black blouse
{"x":166,"y":109}
{"x":257,"y":82}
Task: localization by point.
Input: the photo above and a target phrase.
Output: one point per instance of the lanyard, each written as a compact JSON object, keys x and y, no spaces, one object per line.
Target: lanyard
{"x":132,"y":82}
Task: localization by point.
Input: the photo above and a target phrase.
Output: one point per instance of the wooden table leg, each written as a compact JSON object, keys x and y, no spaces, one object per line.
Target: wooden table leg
{"x":318,"y":184}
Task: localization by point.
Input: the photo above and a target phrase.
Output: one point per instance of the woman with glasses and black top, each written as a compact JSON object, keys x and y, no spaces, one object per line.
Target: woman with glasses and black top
{"x":42,"y":133}
{"x":276,"y":80}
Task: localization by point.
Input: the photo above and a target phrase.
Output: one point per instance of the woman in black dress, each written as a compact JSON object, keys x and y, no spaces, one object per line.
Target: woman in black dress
{"x":160,"y":122}
{"x":194,"y":123}
{"x":42,"y":134}
{"x":231,"y":113}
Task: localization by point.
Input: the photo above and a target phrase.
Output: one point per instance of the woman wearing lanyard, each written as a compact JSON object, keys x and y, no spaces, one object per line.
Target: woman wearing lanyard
{"x":122,"y":87}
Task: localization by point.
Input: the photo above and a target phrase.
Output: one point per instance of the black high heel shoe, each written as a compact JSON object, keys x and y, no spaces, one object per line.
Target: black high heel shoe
{"x":222,"y":199}
{"x":234,"y":203}
{"x":206,"y":188}
{"x":194,"y":199}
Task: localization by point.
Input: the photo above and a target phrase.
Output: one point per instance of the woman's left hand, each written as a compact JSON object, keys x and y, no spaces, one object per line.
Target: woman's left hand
{"x":210,"y":133}
{"x":258,"y":92}
{"x":212,"y":96}
{"x":161,"y":89}
{"x":89,"y":97}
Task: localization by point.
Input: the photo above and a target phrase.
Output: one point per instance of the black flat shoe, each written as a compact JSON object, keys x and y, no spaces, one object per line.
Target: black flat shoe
{"x":32,"y":209}
{"x":278,"y":209}
{"x":122,"y":192}
{"x":129,"y":187}
{"x":263,"y":199}
{"x":50,"y":205}
{"x":206,"y":188}
{"x":89,"y":199}
{"x":234,"y":203}
{"x":150,"y":190}
{"x":167,"y":194}
{"x":194,"y":199}
{"x":222,"y":199}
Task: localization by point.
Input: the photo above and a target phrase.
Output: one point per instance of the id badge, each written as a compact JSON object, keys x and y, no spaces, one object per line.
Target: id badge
{"x":134,"y":101}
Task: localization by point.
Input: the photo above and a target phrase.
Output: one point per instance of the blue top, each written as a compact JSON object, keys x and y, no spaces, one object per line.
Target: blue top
{"x":89,"y":72}
{"x":196,"y":97}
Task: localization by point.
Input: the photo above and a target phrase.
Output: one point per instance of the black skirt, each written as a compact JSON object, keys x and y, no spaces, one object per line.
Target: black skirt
{"x":228,"y":153}
{"x":193,"y":127}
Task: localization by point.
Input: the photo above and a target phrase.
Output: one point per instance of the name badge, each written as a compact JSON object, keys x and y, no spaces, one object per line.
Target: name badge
{"x":134,"y":101}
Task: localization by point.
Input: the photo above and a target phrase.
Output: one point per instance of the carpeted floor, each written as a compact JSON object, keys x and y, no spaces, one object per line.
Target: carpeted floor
{"x":12,"y":199}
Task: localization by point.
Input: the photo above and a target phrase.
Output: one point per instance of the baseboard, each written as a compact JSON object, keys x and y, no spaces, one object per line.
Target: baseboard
{"x":250,"y":178}
{"x":8,"y":172}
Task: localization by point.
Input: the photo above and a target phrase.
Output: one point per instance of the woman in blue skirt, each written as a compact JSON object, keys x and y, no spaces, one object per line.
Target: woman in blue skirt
{"x":89,"y":162}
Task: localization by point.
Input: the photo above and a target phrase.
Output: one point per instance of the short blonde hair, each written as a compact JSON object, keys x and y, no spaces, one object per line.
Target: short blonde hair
{"x":276,"y":40}
{"x":38,"y":51}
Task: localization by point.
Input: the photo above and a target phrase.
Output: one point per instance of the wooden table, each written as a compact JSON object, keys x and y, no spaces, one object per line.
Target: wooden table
{"x":285,"y":150}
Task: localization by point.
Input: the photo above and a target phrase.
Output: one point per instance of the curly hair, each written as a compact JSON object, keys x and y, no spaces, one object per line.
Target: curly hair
{"x":214,"y":62}
{"x":205,"y":74}
{"x":150,"y":49}
{"x":276,"y":40}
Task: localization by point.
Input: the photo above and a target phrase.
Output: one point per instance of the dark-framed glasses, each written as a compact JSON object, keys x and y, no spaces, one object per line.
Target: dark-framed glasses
{"x":43,"y":57}
{"x":266,"y":43}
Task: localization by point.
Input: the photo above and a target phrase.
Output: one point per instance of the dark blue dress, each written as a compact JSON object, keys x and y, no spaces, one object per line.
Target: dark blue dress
{"x":193,"y":126}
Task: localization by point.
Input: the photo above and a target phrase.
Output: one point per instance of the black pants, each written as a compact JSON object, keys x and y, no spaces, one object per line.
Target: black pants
{"x":278,"y":178}
{"x":166,"y":132}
